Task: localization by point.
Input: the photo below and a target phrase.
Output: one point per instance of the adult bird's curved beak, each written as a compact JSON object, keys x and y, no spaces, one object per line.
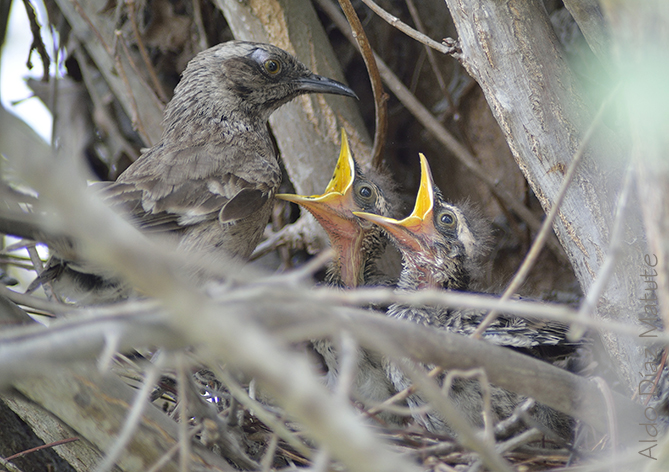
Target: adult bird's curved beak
{"x":413,"y":232}
{"x":334,"y":211}
{"x":318,"y":84}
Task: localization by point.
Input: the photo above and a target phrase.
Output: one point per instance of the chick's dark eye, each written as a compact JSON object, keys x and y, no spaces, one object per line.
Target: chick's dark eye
{"x":365,"y":192}
{"x":447,"y":219}
{"x":273,"y":67}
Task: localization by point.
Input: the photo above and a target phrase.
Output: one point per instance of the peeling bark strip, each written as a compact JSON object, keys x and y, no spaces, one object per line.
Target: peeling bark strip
{"x":511,"y":50}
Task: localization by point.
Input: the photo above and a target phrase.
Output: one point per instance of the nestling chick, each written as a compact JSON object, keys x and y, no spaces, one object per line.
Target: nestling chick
{"x":357,"y":245}
{"x":441,"y":245}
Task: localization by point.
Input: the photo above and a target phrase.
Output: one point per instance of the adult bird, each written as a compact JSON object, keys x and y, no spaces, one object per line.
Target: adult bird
{"x":441,"y":245}
{"x":357,"y":245}
{"x":211,"y":179}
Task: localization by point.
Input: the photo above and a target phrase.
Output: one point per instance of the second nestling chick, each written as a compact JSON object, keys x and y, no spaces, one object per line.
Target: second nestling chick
{"x":441,"y":244}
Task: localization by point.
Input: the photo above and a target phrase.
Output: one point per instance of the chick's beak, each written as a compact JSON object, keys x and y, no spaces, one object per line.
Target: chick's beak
{"x":413,"y":232}
{"x":333,"y":209}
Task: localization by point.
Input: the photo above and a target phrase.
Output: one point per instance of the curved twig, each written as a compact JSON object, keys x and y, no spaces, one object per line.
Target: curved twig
{"x":380,"y":97}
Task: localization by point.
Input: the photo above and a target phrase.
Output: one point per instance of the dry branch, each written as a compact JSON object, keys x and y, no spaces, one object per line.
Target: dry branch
{"x":94,"y":30}
{"x":223,"y":333}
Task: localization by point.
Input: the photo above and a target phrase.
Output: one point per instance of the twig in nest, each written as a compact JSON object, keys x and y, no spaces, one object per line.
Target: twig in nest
{"x":467,"y":435}
{"x":268,"y":458}
{"x":39,"y":448}
{"x":401,"y":395}
{"x":259,"y":411}
{"x":293,"y":235}
{"x":29,"y":301}
{"x":380,"y":97}
{"x":508,"y":425}
{"x":547,"y":225}
{"x":485,"y":395}
{"x":160,"y":463}
{"x":660,"y":368}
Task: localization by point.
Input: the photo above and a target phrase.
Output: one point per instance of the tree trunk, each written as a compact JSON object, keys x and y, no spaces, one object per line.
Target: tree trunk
{"x":511,"y":50}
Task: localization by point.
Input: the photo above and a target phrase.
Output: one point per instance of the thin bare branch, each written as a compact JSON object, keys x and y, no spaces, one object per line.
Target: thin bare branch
{"x":133,"y":419}
{"x":415,"y":16}
{"x":467,"y":435}
{"x":173,"y":450}
{"x":118,"y":65}
{"x":184,"y":439}
{"x":9,"y":466}
{"x":157,"y":85}
{"x":406,"y":29}
{"x":262,"y":414}
{"x":39,"y":448}
{"x":610,"y":411}
{"x":380,"y":97}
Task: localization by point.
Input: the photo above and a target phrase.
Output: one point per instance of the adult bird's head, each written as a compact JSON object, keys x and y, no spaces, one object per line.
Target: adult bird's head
{"x":243,"y":82}
{"x":440,"y":243}
{"x":354,"y":240}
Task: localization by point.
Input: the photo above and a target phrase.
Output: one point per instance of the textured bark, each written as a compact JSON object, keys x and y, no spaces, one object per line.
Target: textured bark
{"x":513,"y":53}
{"x":81,"y":455}
{"x":97,"y":406}
{"x":93,"y":25}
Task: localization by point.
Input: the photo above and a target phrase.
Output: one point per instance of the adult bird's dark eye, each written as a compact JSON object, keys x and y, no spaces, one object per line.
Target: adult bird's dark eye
{"x":272,"y":66}
{"x":365,"y":192}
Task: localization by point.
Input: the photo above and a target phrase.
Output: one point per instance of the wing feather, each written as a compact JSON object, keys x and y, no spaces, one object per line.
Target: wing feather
{"x":168,"y":190}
